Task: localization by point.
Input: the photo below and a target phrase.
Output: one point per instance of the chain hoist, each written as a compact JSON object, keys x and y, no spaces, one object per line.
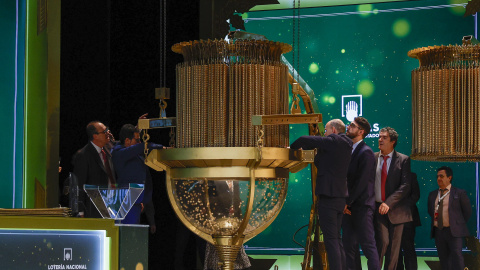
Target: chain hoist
{"x":145,"y":139}
{"x":163,"y":105}
{"x":260,"y":141}
{"x":295,"y":109}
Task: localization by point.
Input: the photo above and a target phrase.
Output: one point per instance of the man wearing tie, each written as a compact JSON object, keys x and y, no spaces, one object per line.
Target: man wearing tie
{"x":357,"y":222}
{"x":93,"y":166}
{"x":392,"y":187}
{"x":331,"y":160}
{"x":450,"y":210}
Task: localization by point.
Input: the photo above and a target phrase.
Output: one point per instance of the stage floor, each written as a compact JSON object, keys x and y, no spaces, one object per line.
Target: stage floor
{"x":293,"y":262}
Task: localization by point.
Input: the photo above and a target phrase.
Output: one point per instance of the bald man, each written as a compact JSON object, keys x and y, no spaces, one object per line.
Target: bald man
{"x":332,"y":161}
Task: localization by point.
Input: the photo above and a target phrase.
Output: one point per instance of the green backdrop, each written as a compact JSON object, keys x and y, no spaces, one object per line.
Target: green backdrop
{"x":24,"y":93}
{"x":359,"y":53}
{"x":12,"y":70}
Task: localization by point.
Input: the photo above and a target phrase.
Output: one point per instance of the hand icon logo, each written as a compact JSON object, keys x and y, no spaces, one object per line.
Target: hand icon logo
{"x":352,"y":110}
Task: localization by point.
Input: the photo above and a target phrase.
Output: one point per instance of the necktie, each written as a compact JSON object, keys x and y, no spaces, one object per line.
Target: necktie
{"x":440,"y":209}
{"x":384,"y":176}
{"x":107,"y":168}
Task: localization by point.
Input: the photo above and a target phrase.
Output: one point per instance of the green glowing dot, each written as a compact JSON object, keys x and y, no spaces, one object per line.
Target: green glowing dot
{"x":401,"y":28}
{"x":375,"y":11}
{"x":313,"y":68}
{"x":363,"y":8}
{"x":337,"y":71}
{"x":331,"y":100}
{"x":365,"y":88}
{"x":343,"y":50}
{"x":245,"y":15}
{"x":325,"y":98}
{"x":458,"y":10}
{"x":296,"y":180}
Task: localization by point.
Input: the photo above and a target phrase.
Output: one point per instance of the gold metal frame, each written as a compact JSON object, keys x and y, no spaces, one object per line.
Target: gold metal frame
{"x":239,"y":163}
{"x":445,"y":97}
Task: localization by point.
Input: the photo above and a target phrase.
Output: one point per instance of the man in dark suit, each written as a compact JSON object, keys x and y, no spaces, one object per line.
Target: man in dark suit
{"x":129,"y":162}
{"x":450,"y":210}
{"x":332,"y":160}
{"x":93,"y":166}
{"x":392,"y":188}
{"x":358,"y":219}
{"x":407,"y":259}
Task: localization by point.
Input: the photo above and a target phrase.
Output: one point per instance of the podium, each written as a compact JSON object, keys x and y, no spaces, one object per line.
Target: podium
{"x":114,"y":202}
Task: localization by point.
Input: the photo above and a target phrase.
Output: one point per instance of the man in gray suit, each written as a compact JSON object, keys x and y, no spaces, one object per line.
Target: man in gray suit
{"x":392,"y":187}
{"x":450,"y":210}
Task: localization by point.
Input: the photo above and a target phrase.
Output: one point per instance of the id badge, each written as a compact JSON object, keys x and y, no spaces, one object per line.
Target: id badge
{"x":435,"y":217}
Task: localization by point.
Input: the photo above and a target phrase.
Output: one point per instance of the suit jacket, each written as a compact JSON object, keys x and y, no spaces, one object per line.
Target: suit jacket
{"x":332,"y":160}
{"x":130,"y":167}
{"x":397,"y":188}
{"x":361,"y":177}
{"x":459,"y":211}
{"x":413,"y":199}
{"x":129,"y":163}
{"x":89,"y":169}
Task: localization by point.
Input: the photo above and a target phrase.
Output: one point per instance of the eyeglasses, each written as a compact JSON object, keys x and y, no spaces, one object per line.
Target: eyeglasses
{"x":104,"y":131}
{"x":352,"y":124}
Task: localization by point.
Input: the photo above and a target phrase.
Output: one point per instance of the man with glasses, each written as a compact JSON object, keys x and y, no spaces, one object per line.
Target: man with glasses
{"x":332,"y":160}
{"x":129,"y":160}
{"x":93,"y":166}
{"x":360,"y":205}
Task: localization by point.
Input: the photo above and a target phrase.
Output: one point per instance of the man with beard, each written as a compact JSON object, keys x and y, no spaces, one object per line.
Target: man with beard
{"x":360,"y":204}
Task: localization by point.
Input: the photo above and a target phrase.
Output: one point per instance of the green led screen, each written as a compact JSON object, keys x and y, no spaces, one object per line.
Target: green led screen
{"x":12,"y":70}
{"x":358,"y":54}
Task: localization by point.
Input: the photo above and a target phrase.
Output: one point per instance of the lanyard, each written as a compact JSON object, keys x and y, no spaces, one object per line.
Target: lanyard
{"x":440,"y":200}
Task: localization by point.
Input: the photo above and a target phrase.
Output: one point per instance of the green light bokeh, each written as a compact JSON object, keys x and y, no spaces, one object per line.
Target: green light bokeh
{"x":366,"y":7}
{"x":401,"y":28}
{"x":459,"y":11}
{"x":313,"y":68}
{"x":365,"y":88}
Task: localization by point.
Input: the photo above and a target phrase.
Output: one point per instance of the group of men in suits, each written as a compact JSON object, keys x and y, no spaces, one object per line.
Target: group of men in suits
{"x":102,"y":162}
{"x":372,"y":197}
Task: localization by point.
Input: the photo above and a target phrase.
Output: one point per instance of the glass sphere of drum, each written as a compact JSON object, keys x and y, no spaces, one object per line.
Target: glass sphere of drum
{"x":217,"y":207}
